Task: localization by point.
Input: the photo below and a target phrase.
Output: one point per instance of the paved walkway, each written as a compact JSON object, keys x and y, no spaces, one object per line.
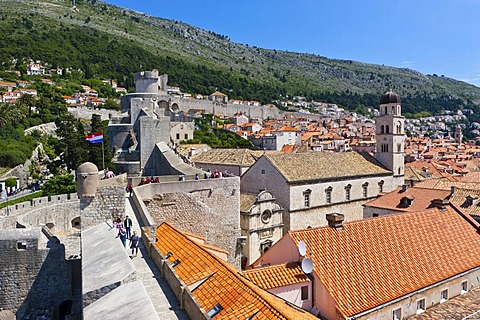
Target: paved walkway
{"x":162,"y":297}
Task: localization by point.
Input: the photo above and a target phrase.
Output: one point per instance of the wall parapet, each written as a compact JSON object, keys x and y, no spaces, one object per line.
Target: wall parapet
{"x":187,"y":300}
{"x":25,"y":207}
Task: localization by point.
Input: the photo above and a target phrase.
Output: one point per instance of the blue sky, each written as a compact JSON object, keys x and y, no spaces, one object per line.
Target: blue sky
{"x":430,"y":36}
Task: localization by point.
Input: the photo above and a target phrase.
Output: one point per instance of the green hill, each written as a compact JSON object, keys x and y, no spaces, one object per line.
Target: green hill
{"x":106,"y":41}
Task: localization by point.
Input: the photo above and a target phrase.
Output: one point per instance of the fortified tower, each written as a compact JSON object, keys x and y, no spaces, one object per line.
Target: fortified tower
{"x":151,"y":82}
{"x":390,"y":126}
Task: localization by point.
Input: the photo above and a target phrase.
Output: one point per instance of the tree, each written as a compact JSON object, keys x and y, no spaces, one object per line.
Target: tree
{"x":11,"y":182}
{"x":26,"y":101}
{"x":59,"y":185}
{"x":72,"y":141}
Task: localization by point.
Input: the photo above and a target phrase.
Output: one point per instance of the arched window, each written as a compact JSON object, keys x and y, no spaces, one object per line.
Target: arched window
{"x":365,"y":189}
{"x":387,"y":128}
{"x":382,"y":129}
{"x":380,"y":185}
{"x":348,"y":189}
{"x":328,"y":195}
{"x":393,"y":110}
{"x":306,"y":197}
{"x":399,"y":170}
{"x":386,"y":110}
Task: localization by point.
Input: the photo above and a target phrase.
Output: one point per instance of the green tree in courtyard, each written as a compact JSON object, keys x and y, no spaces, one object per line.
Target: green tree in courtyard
{"x":59,"y":185}
{"x":73,"y":148}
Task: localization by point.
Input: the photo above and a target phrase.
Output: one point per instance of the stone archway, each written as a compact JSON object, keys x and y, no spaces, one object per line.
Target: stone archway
{"x":76,"y":223}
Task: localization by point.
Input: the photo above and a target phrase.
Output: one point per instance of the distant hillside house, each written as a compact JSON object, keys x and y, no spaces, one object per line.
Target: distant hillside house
{"x":181,"y":131}
{"x":218,"y":96}
{"x":35,"y":69}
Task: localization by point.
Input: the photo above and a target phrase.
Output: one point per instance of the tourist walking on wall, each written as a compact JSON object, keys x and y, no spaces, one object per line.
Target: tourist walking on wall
{"x":130,"y":189}
{"x":127,"y":223}
{"x":134,"y":243}
{"x":122,"y":234}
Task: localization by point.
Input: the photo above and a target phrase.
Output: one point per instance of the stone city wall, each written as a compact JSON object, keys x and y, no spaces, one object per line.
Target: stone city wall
{"x":230,"y":109}
{"x":108,"y":203}
{"x":208,"y":208}
{"x":37,"y":211}
{"x":179,"y":288}
{"x":34,"y":279}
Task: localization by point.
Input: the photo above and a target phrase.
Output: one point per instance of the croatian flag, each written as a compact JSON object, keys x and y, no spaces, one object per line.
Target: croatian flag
{"x":96,"y":137}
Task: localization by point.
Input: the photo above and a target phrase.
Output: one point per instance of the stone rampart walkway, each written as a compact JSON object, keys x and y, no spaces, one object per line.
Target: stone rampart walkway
{"x":162,"y":297}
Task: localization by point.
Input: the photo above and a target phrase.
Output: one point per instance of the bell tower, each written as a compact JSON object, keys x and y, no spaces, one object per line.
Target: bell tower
{"x":390,"y":134}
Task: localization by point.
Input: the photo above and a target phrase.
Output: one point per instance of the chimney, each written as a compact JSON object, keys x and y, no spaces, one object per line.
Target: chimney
{"x":452,"y":190}
{"x":404,"y":187}
{"x":439,"y":203}
{"x":335,"y":220}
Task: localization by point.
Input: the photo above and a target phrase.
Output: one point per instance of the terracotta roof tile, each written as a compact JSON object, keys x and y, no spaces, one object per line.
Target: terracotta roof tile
{"x":239,"y":157}
{"x":421,"y":199}
{"x":277,"y":276}
{"x":467,"y":199}
{"x":325,"y":165}
{"x":223,"y":284}
{"x":374,"y":261}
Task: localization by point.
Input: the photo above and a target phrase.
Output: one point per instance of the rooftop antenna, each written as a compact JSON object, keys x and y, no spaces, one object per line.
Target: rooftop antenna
{"x":302,"y":248}
{"x":307,"y":265}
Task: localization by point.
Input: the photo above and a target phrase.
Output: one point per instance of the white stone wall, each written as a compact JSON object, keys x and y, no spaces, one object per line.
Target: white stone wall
{"x":182,"y":131}
{"x":262,"y":175}
{"x":207,"y":207}
{"x":259,"y":231}
{"x":431,"y":296}
{"x":338,"y":194}
{"x":369,"y":211}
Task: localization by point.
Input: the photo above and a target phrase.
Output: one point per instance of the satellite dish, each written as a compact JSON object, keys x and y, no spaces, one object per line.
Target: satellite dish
{"x":302,"y":248}
{"x":307,"y":265}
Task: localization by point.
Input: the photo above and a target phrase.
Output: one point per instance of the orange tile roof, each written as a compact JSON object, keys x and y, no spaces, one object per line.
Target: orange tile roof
{"x":277,"y":276}
{"x":374,"y":261}
{"x":422,"y":199}
{"x":447,"y":184}
{"x":222,"y":284}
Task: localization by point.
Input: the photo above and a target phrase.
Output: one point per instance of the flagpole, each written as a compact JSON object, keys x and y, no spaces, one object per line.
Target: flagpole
{"x":103,"y":155}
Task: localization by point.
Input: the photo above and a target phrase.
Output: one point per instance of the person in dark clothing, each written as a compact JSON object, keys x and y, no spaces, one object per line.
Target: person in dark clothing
{"x":134,"y":243}
{"x":127,"y":224}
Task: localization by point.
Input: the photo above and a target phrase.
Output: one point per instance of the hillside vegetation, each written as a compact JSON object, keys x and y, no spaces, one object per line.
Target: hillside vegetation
{"x":106,"y":41}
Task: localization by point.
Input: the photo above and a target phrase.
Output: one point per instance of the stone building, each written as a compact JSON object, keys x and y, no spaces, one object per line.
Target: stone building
{"x":391,"y":267}
{"x":181,"y":131}
{"x":233,"y":161}
{"x":261,"y":221}
{"x":40,"y":241}
{"x":310,"y":185}
{"x":146,"y":121}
